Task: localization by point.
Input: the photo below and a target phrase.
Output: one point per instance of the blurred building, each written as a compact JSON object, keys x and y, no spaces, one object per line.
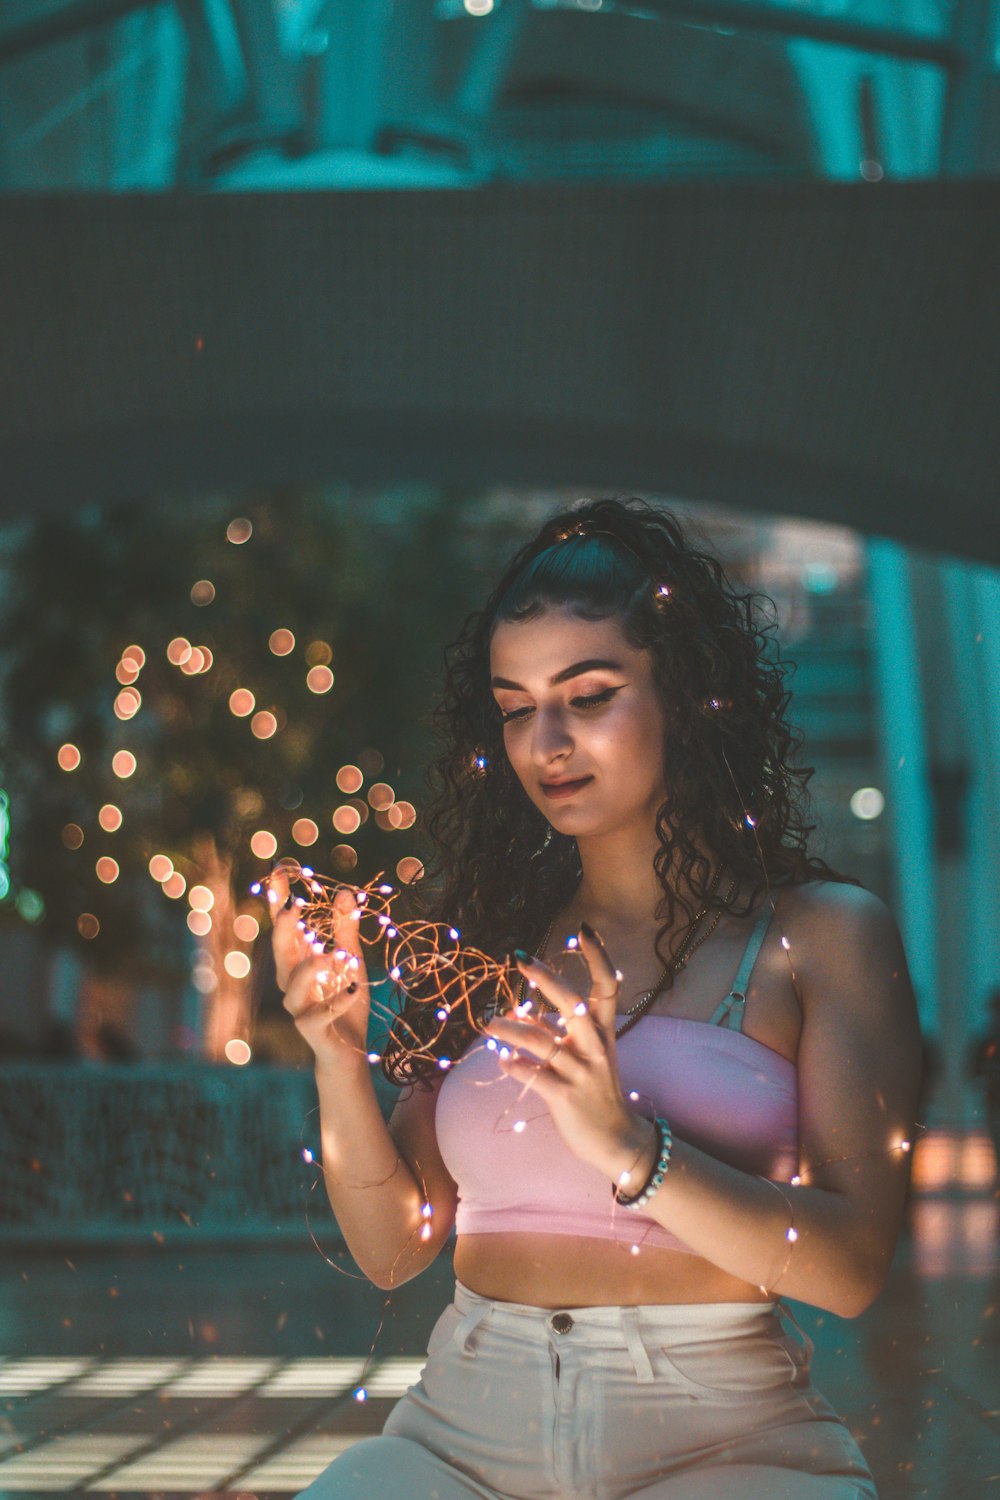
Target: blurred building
{"x":898,"y":650}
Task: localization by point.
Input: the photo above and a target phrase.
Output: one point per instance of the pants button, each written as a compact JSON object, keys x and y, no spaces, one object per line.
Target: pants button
{"x":562,"y":1323}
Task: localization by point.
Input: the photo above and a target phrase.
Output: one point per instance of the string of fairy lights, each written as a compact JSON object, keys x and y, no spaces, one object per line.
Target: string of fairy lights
{"x":178,"y":873}
{"x":429,"y":964}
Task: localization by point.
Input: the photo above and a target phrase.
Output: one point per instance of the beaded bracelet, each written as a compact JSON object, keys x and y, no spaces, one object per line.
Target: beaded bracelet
{"x":664,"y":1141}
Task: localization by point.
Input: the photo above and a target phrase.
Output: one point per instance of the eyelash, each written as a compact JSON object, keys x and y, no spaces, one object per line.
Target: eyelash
{"x":594,"y":700}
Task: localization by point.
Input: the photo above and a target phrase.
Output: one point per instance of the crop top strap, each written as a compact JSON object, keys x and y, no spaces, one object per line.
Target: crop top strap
{"x":731,"y":1009}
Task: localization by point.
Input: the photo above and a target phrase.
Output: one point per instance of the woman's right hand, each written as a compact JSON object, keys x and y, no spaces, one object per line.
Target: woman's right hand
{"x":330,"y":1013}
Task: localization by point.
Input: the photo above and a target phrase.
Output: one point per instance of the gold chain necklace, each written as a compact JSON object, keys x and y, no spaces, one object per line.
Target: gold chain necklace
{"x":638,"y":1010}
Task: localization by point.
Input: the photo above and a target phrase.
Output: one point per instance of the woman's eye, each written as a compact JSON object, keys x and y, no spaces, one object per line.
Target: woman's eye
{"x":591,"y":701}
{"x":594,"y":699}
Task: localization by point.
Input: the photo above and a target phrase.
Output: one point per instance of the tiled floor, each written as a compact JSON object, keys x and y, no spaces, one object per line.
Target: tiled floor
{"x":147,"y":1372}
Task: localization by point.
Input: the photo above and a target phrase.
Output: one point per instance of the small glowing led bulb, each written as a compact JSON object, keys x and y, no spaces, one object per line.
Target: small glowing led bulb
{"x":361,"y":1394}
{"x":307,"y":1155}
{"x":519,"y":1125}
{"x":792,"y":1235}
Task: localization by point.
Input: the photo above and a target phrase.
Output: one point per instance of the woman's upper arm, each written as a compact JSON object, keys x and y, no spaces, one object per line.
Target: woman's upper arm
{"x":412,"y":1127}
{"x":860,"y":1062}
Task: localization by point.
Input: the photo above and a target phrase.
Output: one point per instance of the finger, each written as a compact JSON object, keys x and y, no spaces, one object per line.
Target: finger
{"x":604,"y":977}
{"x":305,"y":988}
{"x":347,"y":920}
{"x":574,"y":1012}
{"x":527,"y":1036}
{"x":543,"y":1080}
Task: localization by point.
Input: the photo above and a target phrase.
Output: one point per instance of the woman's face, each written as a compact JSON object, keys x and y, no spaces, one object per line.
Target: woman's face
{"x":580,"y":705}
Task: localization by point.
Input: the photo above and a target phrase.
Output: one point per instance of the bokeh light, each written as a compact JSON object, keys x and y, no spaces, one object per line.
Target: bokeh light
{"x":305,"y":831}
{"x":246,"y":928}
{"x":281,"y":642}
{"x":107,"y":869}
{"x":408,"y":814}
{"x":350,"y":779}
{"x":344,"y":856}
{"x":123,"y":763}
{"x":200,"y":898}
{"x":319,"y":679}
{"x":242,"y":702}
{"x":126,"y":671}
{"x":371,"y":761}
{"x":346,"y":819}
{"x":867,"y":803}
{"x":264,"y":844}
{"x":72,"y":835}
{"x":29,"y":905}
{"x":179,"y":650}
{"x":203,"y":592}
{"x":175,"y":885}
{"x":239,"y":531}
{"x":68,"y":757}
{"x":195,"y":663}
{"x":409,"y":869}
{"x":110,"y":817}
{"x":238,"y":1052}
{"x":203,"y":975}
{"x":319,"y":653}
{"x":128,"y":702}
{"x":199,"y":922}
{"x":236,"y":964}
{"x":87,"y":925}
{"x":381,"y":795}
{"x":264,"y":724}
{"x":161,"y":867}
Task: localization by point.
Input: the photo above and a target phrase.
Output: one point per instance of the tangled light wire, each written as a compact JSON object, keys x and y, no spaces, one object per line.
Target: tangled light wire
{"x":428,"y":962}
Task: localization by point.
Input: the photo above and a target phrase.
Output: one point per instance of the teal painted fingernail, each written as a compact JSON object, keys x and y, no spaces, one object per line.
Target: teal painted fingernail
{"x":522,"y":957}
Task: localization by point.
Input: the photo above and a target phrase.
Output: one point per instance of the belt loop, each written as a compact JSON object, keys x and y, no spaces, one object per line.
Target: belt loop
{"x":633,"y":1340}
{"x":468,"y":1326}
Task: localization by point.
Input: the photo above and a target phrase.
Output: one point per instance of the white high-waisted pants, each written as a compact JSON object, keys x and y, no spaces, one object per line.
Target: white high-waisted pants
{"x":695,"y":1401}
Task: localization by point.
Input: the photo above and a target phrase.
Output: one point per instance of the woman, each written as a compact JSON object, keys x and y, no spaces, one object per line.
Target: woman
{"x":706,"y":1103}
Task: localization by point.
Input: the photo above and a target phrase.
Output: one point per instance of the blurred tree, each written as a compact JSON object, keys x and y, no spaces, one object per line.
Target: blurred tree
{"x":174,"y":606}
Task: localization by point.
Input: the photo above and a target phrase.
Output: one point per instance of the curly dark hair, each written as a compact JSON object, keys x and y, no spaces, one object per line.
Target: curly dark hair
{"x":732,"y":784}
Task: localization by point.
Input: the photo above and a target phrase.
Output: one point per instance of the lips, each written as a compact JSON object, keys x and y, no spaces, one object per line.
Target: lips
{"x":559,"y":789}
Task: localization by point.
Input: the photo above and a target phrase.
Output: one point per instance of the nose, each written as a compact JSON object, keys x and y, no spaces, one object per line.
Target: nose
{"x":549,"y":738}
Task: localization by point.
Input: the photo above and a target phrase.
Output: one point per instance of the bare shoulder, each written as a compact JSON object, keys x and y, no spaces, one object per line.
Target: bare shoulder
{"x":833,"y":928}
{"x":850,"y":972}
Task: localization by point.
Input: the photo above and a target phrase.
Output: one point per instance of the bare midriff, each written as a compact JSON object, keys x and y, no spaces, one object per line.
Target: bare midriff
{"x":565,"y":1270}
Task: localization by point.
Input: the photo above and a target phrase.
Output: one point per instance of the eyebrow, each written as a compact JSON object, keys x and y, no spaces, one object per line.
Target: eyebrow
{"x":595,"y":663}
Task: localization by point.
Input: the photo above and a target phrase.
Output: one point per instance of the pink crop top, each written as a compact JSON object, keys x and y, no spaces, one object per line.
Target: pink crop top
{"x":722,"y":1091}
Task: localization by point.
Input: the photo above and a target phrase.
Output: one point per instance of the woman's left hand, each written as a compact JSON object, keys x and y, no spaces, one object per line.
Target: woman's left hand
{"x":574,"y":1065}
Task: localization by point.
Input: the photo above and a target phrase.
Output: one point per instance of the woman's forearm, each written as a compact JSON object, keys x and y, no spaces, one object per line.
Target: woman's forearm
{"x":740,"y":1223}
{"x":375,"y":1197}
